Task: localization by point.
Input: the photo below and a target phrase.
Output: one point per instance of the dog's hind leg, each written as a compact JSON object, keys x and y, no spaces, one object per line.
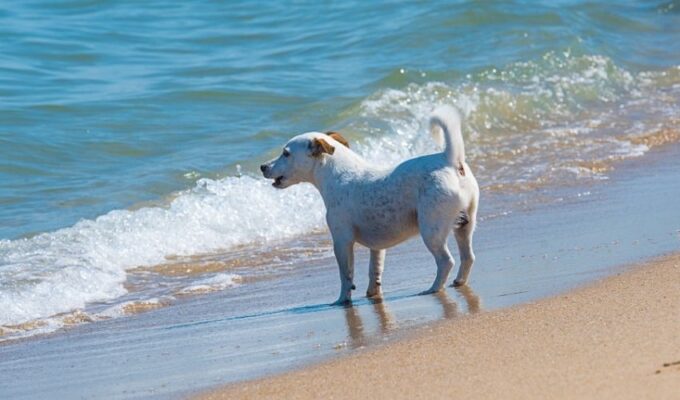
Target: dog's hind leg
{"x":375,"y":269}
{"x":344,"y":254}
{"x":435,"y":232}
{"x":463,"y":234}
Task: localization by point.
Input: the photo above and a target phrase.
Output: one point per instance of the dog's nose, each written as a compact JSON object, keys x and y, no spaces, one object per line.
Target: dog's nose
{"x":263,"y":167}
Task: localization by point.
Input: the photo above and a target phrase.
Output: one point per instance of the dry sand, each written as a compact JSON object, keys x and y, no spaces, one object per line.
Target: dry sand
{"x":613,"y":339}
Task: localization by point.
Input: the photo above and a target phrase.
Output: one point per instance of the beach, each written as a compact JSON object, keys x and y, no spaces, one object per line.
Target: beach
{"x":143,"y":255}
{"x":616,"y":338}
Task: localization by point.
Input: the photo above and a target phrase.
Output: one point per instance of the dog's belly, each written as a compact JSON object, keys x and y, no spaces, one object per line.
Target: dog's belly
{"x":380,"y":232}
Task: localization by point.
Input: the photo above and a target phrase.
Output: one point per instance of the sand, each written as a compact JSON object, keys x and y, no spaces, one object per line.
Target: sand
{"x":616,"y":338}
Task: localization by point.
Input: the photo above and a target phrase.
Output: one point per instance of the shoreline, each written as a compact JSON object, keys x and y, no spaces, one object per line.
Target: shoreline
{"x":270,"y":326}
{"x":615,"y":338}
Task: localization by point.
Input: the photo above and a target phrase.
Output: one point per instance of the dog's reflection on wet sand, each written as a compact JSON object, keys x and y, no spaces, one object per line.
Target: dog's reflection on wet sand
{"x":387,"y":322}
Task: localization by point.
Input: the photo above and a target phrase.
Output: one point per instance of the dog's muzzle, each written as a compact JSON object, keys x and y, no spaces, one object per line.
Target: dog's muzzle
{"x":266,"y":172}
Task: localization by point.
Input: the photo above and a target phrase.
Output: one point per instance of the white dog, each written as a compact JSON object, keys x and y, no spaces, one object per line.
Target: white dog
{"x":379,"y":208}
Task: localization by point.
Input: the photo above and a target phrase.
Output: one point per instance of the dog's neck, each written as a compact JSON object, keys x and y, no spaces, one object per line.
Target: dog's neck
{"x":343,"y":165}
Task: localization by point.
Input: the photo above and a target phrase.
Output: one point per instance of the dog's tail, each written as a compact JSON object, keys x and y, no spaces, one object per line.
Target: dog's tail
{"x":445,"y":122}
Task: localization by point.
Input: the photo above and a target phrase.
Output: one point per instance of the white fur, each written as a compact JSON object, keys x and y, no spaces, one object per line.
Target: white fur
{"x":379,"y":208}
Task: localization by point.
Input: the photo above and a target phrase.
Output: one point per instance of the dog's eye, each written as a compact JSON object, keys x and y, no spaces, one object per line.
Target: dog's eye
{"x":286,"y":153}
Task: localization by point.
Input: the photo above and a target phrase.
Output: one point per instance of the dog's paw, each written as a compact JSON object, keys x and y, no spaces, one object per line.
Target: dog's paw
{"x":343,"y":302}
{"x":458,"y":283}
{"x":428,"y":291}
{"x":374,"y":292}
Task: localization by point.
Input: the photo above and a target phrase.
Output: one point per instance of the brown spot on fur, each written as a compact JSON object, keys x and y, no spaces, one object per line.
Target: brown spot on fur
{"x":320,"y":146}
{"x":461,"y":170}
{"x":337,"y":136}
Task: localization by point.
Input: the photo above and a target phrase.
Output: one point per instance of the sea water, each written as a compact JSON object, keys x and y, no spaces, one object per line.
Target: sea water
{"x":131,"y":132}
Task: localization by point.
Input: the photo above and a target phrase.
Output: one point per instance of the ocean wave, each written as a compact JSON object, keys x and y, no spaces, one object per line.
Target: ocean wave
{"x":539,"y":122}
{"x":63,"y":270}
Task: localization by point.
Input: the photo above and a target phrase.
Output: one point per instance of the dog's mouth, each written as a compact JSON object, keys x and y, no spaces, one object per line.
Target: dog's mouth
{"x":278,"y":181}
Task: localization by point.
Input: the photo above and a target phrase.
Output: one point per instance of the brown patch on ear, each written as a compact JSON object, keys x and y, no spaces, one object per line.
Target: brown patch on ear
{"x":320,"y":146}
{"x":339,"y":138}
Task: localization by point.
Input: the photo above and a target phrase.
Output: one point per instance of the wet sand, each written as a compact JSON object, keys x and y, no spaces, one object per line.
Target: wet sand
{"x":618,"y":338}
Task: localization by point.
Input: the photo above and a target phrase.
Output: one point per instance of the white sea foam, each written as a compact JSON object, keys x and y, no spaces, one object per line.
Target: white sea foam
{"x":216,"y":282}
{"x":63,"y":270}
{"x":131,"y":307}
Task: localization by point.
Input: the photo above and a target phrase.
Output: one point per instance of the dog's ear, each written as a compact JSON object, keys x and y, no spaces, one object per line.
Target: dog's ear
{"x":320,"y":146}
{"x":337,"y":136}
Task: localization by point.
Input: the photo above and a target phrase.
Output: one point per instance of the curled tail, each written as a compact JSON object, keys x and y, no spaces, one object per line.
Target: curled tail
{"x":446,"y":118}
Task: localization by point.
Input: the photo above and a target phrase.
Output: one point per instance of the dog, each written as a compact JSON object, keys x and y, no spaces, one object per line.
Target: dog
{"x":380,"y":208}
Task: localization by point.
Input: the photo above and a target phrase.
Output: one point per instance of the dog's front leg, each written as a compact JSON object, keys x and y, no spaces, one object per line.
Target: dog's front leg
{"x":344,"y":254}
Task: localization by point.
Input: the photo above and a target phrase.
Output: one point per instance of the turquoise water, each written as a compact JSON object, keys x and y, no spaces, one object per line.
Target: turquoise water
{"x":130,"y":131}
{"x":105,"y":104}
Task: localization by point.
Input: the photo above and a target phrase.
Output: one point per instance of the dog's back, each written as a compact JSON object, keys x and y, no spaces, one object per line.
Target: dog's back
{"x":384,"y":206}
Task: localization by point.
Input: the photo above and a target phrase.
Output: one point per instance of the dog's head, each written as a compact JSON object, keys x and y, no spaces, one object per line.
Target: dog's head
{"x":299,"y":157}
